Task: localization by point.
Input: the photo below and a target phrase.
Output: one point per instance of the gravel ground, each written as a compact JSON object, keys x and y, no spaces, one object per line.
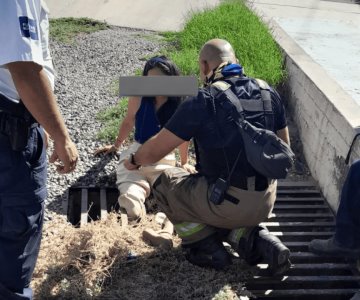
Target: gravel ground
{"x":86,"y":70}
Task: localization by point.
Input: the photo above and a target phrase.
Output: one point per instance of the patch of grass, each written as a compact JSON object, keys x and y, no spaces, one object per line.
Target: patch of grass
{"x":65,"y":29}
{"x":235,"y":22}
{"x":111,"y":118}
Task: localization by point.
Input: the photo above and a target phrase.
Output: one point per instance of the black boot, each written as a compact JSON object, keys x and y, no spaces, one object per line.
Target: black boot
{"x":209,"y":252}
{"x":259,"y":245}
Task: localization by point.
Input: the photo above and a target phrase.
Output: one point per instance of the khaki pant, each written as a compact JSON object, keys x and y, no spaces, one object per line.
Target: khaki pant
{"x":183,"y":197}
{"x":134,"y":186}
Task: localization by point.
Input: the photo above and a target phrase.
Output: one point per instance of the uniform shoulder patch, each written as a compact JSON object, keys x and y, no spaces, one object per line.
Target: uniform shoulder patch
{"x":222,"y":85}
{"x":28,"y":28}
{"x":262,"y":84}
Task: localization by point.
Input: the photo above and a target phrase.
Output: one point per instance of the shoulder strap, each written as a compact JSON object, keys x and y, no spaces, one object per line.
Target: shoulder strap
{"x":266,"y":100}
{"x":254,"y":106}
{"x":222,"y":91}
{"x":217,"y":92}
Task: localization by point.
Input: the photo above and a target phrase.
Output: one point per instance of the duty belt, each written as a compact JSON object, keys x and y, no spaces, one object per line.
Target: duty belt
{"x":254,"y":183}
{"x":15,"y":123}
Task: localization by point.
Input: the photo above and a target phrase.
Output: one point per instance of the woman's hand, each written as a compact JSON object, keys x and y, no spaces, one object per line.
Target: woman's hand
{"x":128,"y":165}
{"x":108,"y":149}
{"x":189,"y":168}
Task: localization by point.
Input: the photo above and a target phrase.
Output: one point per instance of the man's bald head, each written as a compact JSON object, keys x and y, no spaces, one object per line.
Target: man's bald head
{"x":217,"y":51}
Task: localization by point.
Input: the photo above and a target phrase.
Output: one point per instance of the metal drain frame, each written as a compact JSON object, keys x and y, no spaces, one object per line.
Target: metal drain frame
{"x":301,"y":214}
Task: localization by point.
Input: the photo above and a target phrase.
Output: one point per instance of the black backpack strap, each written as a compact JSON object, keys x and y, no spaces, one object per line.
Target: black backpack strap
{"x":267,"y":106}
{"x":222,"y":91}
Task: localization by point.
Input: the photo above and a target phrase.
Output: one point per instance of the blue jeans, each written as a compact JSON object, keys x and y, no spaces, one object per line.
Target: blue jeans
{"x":22,"y":195}
{"x":348,"y":216}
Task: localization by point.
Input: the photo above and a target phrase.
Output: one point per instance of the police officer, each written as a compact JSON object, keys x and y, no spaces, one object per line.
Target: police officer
{"x":188,"y":199}
{"x":27,"y":105}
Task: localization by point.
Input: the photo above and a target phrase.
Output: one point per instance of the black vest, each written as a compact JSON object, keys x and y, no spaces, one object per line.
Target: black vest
{"x":216,"y":156}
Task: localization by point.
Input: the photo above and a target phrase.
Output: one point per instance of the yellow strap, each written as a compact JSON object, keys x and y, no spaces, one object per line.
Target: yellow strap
{"x":186,"y":229}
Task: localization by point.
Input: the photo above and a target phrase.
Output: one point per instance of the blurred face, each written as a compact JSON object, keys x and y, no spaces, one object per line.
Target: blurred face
{"x":156,"y":72}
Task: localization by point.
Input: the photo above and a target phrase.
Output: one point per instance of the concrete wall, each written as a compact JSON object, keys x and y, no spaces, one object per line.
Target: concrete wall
{"x":326,"y":116}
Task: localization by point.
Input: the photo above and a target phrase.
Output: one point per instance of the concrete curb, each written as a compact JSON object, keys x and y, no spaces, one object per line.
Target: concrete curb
{"x":327,"y":117}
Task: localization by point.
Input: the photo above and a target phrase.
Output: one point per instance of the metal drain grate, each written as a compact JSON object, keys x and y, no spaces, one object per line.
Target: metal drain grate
{"x":300,"y":215}
{"x":84,"y":204}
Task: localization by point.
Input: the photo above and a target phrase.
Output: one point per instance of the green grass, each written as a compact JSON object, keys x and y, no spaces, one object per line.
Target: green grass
{"x":111,"y":118}
{"x":65,"y":29}
{"x":235,"y":22}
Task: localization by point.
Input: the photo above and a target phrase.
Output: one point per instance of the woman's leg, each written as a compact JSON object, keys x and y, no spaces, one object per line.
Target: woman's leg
{"x":132,"y":198}
{"x":133,"y":187}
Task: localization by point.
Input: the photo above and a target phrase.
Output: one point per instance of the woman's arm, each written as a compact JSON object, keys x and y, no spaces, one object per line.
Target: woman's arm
{"x":184,"y":155}
{"x":125,"y":127}
{"x":284,"y":135}
{"x":128,"y":122}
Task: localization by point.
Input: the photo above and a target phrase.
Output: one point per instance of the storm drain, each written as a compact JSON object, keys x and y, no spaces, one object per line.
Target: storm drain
{"x":300,"y":215}
{"x":85,"y":204}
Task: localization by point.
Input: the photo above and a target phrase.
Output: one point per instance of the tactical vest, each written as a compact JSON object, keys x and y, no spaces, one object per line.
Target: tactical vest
{"x":256,"y":100}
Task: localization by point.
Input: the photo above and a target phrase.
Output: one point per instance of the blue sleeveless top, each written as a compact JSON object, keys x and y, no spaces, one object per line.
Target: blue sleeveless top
{"x":146,"y":121}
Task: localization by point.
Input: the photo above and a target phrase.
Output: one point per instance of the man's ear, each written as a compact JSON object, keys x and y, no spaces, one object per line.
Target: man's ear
{"x":205,"y":66}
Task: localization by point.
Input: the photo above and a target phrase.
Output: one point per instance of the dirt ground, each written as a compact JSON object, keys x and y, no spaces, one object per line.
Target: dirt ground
{"x":105,"y":261}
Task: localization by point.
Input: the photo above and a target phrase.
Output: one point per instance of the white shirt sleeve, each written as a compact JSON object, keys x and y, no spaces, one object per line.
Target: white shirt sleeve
{"x":23,"y":37}
{"x":20,"y":38}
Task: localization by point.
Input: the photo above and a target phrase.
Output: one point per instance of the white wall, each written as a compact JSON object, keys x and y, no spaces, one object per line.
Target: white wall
{"x":326,"y":116}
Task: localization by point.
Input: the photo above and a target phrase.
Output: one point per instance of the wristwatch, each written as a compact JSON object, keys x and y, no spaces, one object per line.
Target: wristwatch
{"x":132,"y":160}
